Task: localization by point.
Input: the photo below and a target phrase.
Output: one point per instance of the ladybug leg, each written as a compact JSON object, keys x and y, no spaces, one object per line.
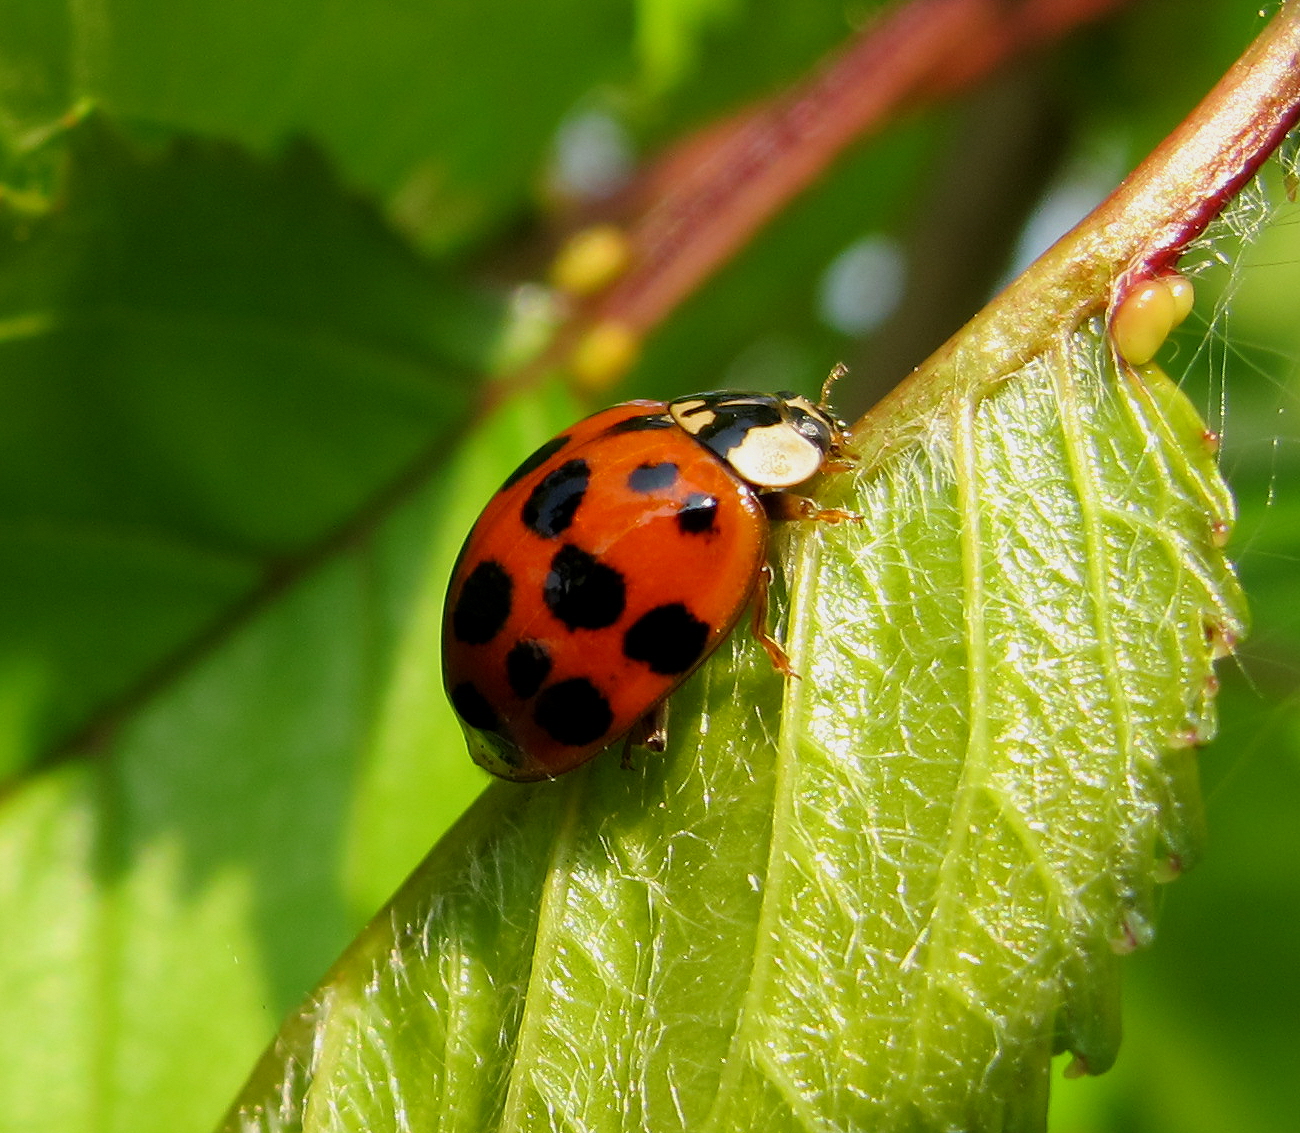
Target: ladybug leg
{"x":650,"y":732}
{"x":834,"y":464}
{"x":777,"y":655}
{"x":788,"y":505}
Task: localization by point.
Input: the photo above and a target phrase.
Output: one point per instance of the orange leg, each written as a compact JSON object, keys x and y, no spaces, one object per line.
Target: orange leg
{"x":650,"y":732}
{"x":834,"y":464}
{"x":787,"y":505}
{"x":777,"y":655}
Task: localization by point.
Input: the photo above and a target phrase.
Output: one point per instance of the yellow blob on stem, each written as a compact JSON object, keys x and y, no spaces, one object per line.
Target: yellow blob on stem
{"x":591,"y":259}
{"x":1145,"y":316}
{"x":603,"y":355}
{"x":1184,"y":295}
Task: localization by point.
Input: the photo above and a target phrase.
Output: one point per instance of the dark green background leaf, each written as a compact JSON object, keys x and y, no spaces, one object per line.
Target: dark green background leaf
{"x":212,"y":366}
{"x":387,"y":89}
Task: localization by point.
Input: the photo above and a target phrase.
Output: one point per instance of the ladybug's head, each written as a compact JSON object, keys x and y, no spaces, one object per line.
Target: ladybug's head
{"x":772,"y":441}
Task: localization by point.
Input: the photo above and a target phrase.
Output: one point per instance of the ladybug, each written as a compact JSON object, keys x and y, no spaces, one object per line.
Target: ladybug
{"x":613,"y":561}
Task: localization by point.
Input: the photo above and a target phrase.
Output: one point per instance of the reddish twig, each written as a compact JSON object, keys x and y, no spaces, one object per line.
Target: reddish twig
{"x":1217,"y":148}
{"x":1136,"y":233}
{"x":710,"y":195}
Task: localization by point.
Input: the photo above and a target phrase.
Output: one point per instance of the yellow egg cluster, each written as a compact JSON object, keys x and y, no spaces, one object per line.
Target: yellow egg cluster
{"x":1142,"y":321}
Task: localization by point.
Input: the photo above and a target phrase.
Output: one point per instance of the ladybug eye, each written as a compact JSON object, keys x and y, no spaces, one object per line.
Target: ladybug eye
{"x":814,"y":428}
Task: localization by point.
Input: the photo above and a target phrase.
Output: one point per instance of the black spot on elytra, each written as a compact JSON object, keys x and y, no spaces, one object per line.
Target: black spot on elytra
{"x":551,"y":506}
{"x":652,"y":477}
{"x":472,"y":707}
{"x":697,"y":514}
{"x":670,"y":639}
{"x":582,"y":591}
{"x":642,"y":424}
{"x":532,"y":463}
{"x":528,"y":664}
{"x":483,"y":605}
{"x":573,"y":712}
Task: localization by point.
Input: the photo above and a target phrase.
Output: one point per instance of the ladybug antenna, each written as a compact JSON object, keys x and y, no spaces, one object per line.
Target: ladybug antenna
{"x":838,"y":371}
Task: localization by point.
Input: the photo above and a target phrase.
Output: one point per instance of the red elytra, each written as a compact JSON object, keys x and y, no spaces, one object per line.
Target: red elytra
{"x":611,"y":564}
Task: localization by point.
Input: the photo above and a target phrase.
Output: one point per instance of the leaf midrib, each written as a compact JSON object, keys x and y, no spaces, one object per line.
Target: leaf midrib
{"x":530,"y":1036}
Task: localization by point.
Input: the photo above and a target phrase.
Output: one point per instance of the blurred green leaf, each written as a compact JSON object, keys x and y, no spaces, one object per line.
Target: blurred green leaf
{"x":211,"y":364}
{"x":175,"y":893}
{"x":668,"y":33}
{"x":370,"y":82}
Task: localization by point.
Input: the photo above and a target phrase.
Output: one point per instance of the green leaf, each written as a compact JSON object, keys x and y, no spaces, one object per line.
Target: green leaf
{"x":888,"y":905}
{"x":1208,"y":1012}
{"x":221,"y":375}
{"x":210,"y":365}
{"x":668,"y":31}
{"x":369,"y":83}
{"x":169,"y":899}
